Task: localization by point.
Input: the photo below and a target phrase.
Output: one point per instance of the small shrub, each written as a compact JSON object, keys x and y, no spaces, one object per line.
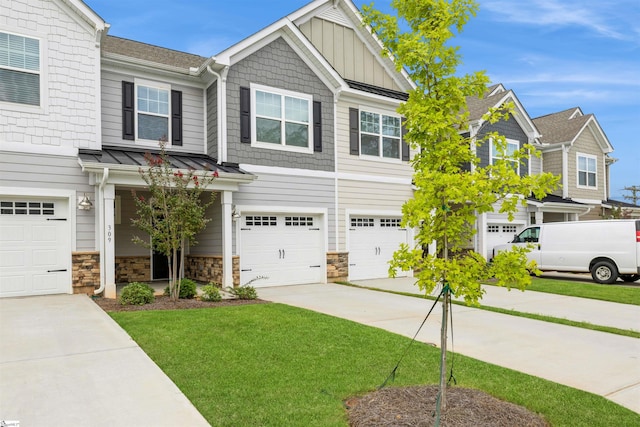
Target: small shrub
{"x":211,"y":292}
{"x":244,"y":292}
{"x":136,"y":293}
{"x":187,"y":289}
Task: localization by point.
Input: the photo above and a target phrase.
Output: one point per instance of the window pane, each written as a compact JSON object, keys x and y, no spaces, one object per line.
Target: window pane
{"x":582,"y":163}
{"x":369,"y":122}
{"x":391,"y":148}
{"x":268,"y":131}
{"x":152,"y":127}
{"x":370,"y":145}
{"x":153,"y":100}
{"x":296,"y":109}
{"x":268,"y":104}
{"x":591,"y":165}
{"x":391,"y":126}
{"x":297,"y":135}
{"x":582,"y":178}
{"x":592,"y":179}
{"x":512,"y":148}
{"x":19,"y":87}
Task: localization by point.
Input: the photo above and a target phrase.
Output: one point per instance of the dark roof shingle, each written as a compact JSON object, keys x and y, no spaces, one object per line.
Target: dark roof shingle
{"x":147,"y":52}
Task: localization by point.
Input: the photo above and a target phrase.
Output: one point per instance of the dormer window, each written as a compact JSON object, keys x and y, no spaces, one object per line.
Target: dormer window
{"x":587,"y":171}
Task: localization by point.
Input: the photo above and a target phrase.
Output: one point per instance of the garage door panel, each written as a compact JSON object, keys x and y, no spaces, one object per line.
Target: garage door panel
{"x":285,"y":248}
{"x":33,"y":246}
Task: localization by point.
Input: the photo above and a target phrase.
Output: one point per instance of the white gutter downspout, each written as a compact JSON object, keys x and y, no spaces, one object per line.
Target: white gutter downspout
{"x":221,"y":81}
{"x":103,"y":268}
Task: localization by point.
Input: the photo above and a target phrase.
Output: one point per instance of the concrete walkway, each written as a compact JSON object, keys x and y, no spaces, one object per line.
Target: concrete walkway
{"x":597,"y":362}
{"x":65,"y":362}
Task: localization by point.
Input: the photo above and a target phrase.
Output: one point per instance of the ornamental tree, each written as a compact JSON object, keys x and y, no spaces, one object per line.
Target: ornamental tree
{"x":452,"y":186}
{"x":174,"y":211}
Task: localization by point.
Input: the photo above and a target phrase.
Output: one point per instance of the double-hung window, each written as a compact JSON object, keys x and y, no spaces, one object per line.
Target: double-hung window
{"x":380,"y":135}
{"x":587,"y":171}
{"x":282,"y":119}
{"x":512,"y":147}
{"x":19,"y":69}
{"x":152,"y":104}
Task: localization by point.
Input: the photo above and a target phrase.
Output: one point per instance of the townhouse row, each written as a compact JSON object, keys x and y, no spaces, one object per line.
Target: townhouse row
{"x":299,"y":120}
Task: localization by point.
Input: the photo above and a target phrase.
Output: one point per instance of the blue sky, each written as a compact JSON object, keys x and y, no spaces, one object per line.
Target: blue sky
{"x":554,"y":54}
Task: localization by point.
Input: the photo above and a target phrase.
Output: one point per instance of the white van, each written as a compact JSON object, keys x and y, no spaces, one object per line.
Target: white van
{"x":607,"y":249}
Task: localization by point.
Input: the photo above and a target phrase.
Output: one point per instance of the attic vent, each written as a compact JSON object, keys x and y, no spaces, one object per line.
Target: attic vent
{"x":334,"y":14}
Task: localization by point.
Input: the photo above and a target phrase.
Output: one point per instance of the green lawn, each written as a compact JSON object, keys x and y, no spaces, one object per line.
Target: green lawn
{"x":625,"y":294}
{"x":275,"y":365}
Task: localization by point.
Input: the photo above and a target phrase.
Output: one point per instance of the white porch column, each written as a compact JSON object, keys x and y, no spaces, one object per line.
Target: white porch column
{"x":539,"y":217}
{"x":481,"y":235}
{"x":108,"y":240}
{"x":227,"y":238}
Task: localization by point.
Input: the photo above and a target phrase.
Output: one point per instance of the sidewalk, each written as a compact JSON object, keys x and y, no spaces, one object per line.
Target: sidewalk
{"x":597,"y":362}
{"x":621,"y":316}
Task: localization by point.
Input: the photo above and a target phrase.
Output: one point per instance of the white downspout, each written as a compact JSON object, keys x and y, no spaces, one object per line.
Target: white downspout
{"x":221,"y":81}
{"x":103,"y":268}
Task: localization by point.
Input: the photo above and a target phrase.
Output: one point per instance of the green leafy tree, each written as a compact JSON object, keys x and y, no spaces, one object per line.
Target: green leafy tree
{"x":174,"y":211}
{"x":452,"y":186}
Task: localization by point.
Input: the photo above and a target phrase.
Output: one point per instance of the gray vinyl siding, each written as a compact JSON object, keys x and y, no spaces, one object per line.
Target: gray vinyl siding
{"x":212,"y":120}
{"x":288,"y":191}
{"x":125,"y":231}
{"x":277,"y":65}
{"x":22,"y":170}
{"x":193,"y":126}
{"x":510,"y":129}
{"x":209,"y":240}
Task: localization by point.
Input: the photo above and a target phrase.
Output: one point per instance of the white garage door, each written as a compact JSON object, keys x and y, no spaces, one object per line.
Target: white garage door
{"x":499,"y":234}
{"x":34,"y":247}
{"x":285,"y":249}
{"x":372,"y":242}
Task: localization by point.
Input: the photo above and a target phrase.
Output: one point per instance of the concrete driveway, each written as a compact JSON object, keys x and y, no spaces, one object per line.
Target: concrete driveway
{"x":597,"y":362}
{"x":65,"y":362}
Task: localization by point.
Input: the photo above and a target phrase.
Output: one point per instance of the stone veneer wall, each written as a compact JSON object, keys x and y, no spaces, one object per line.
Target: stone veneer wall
{"x":208,"y":268}
{"x":133,"y":269}
{"x":337,"y":266}
{"x":85,"y":272}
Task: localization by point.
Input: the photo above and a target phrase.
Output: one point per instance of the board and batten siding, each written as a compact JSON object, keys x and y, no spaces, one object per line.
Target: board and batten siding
{"x":193,"y":123}
{"x":352,"y":164}
{"x":291,"y":192}
{"x":347,"y":53}
{"x":68,"y":115}
{"x":368,"y":196}
{"x":38,"y":171}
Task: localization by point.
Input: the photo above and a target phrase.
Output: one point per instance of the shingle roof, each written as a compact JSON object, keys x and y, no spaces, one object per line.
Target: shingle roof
{"x":377,"y":90}
{"x":151,"y":53}
{"x":478,"y":107}
{"x":550,"y":198}
{"x":559,"y":127}
{"x":136,"y":157}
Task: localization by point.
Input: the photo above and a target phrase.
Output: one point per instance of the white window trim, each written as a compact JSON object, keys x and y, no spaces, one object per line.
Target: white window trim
{"x":379,"y":157}
{"x":42,"y":72}
{"x":155,"y":85}
{"x":282,"y":147}
{"x":586,"y":156}
{"x":509,"y":142}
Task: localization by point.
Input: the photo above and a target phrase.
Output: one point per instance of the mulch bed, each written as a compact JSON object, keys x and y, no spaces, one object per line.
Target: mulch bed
{"x":415,"y":407}
{"x":393,"y":406}
{"x":165,"y":303}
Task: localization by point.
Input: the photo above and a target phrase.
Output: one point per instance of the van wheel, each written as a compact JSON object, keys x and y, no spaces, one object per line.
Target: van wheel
{"x":630,"y":277}
{"x":604,"y":272}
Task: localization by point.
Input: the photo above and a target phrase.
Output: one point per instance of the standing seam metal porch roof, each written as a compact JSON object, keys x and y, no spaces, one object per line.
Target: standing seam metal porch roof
{"x":136,"y":157}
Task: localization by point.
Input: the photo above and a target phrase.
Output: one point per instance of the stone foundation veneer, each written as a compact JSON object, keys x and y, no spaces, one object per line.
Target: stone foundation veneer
{"x":133,"y":269}
{"x":85,"y":272}
{"x":208,"y":268}
{"x":337,"y":266}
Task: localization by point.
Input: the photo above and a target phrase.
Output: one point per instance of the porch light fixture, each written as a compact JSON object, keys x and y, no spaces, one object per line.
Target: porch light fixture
{"x":235,"y":215}
{"x":85,"y":204}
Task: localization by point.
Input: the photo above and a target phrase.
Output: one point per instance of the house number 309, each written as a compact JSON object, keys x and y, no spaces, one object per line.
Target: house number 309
{"x":109,"y":233}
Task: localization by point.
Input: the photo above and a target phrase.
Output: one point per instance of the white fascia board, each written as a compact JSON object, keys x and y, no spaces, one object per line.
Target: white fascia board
{"x":361,"y":96}
{"x":598,"y":134}
{"x":587,"y":201}
{"x":80,"y":10}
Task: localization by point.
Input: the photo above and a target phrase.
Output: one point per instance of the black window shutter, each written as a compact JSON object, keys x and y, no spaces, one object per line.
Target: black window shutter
{"x":406,"y":154}
{"x":176,"y":117}
{"x":317,"y":126}
{"x":354,"y":131}
{"x":245,"y":115}
{"x":128,"y":111}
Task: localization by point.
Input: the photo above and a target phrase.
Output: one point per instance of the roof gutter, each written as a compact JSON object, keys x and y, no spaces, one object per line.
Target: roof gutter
{"x":221,"y":102}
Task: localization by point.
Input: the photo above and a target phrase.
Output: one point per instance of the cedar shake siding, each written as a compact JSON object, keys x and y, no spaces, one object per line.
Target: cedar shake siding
{"x":278,"y":66}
